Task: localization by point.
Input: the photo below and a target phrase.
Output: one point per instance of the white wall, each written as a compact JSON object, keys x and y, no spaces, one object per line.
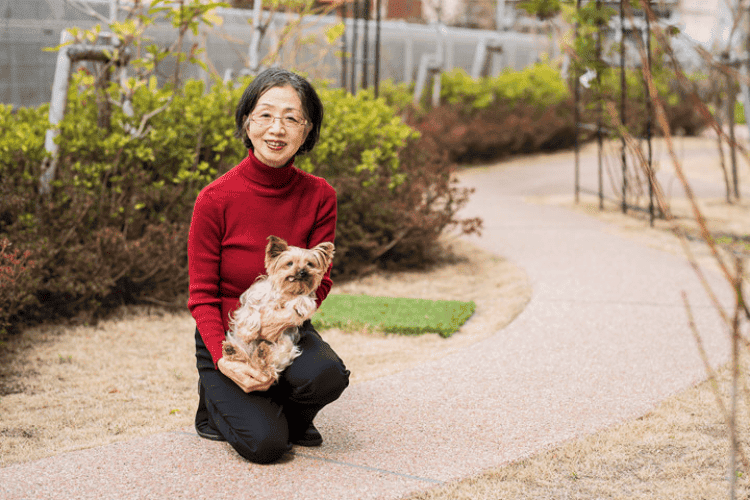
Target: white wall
{"x":450,"y":10}
{"x":701,"y":20}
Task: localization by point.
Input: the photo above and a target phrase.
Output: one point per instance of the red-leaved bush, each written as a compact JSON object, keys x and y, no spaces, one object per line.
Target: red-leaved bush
{"x":18,"y":281}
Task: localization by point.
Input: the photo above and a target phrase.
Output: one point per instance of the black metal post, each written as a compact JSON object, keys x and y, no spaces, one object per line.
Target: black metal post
{"x":732,"y":99}
{"x":649,"y":118}
{"x":576,"y":115}
{"x":623,"y":96}
{"x":599,"y":139}
{"x":365,"y":44}
{"x":342,"y":10}
{"x":377,"y":48}
{"x":355,"y":42}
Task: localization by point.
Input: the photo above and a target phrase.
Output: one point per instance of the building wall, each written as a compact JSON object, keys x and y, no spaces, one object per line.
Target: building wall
{"x":701,"y":20}
{"x":449,"y":11}
{"x":404,"y":9}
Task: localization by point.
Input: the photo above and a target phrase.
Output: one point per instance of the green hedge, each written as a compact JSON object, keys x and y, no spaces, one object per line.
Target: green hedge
{"x":540,"y":85}
{"x":521,"y":112}
{"x":516,"y":112}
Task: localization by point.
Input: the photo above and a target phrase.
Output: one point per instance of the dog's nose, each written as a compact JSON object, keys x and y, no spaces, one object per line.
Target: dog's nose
{"x":302,"y":274}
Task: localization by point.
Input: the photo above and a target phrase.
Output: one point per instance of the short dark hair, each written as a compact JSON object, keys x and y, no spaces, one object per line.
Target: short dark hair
{"x":277,"y":77}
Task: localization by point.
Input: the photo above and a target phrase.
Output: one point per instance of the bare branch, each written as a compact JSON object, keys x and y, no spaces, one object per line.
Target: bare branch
{"x":664,"y":124}
{"x":676,"y":228}
{"x":712,"y":378}
{"x":144,"y":120}
{"x":86,"y":9}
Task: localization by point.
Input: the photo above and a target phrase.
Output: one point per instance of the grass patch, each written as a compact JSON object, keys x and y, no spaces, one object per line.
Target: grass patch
{"x":393,"y":314}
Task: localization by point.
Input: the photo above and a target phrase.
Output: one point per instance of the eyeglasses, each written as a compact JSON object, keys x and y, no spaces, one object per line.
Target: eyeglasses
{"x":291,"y":120}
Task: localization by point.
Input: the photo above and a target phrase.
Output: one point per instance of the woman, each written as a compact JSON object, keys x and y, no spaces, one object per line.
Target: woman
{"x":278,"y":116}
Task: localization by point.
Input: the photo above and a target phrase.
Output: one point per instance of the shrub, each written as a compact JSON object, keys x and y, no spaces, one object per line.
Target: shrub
{"x":428,"y":204}
{"x":681,"y":113}
{"x":521,"y":112}
{"x":17,"y":283}
{"x":114,"y":229}
{"x":515,"y":112}
{"x":397,"y":95}
{"x":395,"y":195}
{"x":499,"y":130}
{"x":539,"y":85}
{"x":21,"y":151}
{"x":457,"y":87}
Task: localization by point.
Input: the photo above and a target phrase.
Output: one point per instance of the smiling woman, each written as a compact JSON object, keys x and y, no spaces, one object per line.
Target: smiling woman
{"x":278,"y":117}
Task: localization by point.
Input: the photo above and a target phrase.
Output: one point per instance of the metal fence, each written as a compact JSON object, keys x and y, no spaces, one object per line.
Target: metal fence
{"x":28,"y":26}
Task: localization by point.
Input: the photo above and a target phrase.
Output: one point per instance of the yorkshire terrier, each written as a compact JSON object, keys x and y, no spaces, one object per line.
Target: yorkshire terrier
{"x":263,"y":330}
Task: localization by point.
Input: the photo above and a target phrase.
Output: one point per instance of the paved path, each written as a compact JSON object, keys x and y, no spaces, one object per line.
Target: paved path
{"x":603,"y":339}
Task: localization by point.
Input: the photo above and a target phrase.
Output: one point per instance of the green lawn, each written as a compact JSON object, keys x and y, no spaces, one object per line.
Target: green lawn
{"x":393,"y":314}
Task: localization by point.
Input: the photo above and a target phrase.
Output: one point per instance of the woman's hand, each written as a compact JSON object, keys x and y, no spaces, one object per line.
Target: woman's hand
{"x":245,"y":376}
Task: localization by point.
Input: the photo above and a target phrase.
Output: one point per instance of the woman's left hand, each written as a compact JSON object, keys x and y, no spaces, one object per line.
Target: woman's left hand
{"x":245,"y":376}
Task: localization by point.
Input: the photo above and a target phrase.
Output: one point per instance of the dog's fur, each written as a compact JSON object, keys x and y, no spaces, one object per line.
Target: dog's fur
{"x":263,"y":330}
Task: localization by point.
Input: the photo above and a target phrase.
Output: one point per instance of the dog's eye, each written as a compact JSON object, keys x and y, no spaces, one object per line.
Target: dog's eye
{"x":289,"y":264}
{"x":310,"y":264}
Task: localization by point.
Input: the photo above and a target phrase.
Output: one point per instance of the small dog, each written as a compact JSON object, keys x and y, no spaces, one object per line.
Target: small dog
{"x":263,"y":330}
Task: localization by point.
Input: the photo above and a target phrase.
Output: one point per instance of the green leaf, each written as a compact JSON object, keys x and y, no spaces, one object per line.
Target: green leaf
{"x":335,"y":32}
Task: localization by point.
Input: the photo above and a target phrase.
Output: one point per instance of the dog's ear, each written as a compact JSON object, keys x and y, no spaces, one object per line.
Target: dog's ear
{"x":325,"y":252}
{"x":276,"y":246}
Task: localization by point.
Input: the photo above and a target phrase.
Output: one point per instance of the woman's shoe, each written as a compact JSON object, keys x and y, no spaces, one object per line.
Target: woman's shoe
{"x":310,"y":437}
{"x":203,"y":419}
{"x":205,"y":431}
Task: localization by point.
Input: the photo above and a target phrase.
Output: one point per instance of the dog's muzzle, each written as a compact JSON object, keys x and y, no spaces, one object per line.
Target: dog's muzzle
{"x":302,"y":275}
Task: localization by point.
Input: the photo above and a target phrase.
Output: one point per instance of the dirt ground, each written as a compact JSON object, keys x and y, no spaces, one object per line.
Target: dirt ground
{"x":67,"y":388}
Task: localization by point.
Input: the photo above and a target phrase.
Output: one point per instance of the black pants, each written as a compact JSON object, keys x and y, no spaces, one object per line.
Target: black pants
{"x":258,"y":424}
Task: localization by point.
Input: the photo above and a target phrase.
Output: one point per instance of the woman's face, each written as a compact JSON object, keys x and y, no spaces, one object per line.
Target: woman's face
{"x":276,"y":142}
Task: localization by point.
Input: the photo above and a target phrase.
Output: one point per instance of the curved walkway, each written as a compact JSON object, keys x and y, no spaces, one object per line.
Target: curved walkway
{"x":603,"y":339}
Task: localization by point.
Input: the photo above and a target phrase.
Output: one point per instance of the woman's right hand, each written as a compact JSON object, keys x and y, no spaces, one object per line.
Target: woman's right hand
{"x":245,"y":376}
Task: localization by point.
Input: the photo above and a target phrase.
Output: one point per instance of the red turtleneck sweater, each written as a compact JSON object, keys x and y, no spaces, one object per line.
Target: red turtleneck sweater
{"x":232,"y":218}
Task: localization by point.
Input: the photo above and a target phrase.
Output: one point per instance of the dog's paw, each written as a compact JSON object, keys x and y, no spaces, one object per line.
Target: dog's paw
{"x":263,"y":353}
{"x":303,"y":306}
{"x":228,"y":349}
{"x":232,"y":352}
{"x":263,"y":360}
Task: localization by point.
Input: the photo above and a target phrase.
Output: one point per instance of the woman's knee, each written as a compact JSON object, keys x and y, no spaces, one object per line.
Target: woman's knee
{"x":252,"y":424}
{"x":318,"y":376}
{"x":322,"y":385}
{"x":261,"y":446}
{"x":332,"y":381}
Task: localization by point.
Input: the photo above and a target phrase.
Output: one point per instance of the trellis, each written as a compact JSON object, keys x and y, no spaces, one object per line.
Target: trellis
{"x":645,"y":33}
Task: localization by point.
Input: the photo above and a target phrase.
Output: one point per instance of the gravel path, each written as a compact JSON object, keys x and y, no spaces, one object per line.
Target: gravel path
{"x":603,"y":339}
